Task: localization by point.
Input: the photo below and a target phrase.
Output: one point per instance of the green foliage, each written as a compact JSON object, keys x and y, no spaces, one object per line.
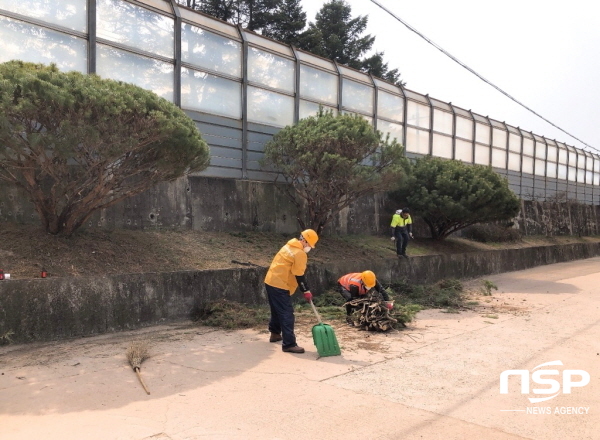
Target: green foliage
{"x":288,"y":19}
{"x":450,"y":195}
{"x":78,"y":143}
{"x":331,"y":161}
{"x":491,"y":232}
{"x":486,"y":290}
{"x":230,"y":315}
{"x":444,"y":294}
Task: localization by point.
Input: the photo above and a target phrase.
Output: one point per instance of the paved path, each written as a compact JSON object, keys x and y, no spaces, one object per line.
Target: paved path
{"x":437,"y":380}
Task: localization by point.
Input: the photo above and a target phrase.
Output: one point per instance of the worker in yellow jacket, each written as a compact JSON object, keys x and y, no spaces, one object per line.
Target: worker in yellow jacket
{"x":285,"y":274}
{"x":401,"y":229}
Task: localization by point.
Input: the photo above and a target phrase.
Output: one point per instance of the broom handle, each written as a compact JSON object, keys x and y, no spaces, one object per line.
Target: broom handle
{"x":316,"y":313}
{"x":137,"y":371}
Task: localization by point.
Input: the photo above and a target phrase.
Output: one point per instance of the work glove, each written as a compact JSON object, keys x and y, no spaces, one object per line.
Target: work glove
{"x":390,"y":306}
{"x":393,"y":238}
{"x":308,"y":296}
{"x":411,"y":236}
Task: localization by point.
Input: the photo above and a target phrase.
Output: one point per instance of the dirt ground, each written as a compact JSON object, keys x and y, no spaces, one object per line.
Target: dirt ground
{"x":438,"y":379}
{"x":26,"y":249}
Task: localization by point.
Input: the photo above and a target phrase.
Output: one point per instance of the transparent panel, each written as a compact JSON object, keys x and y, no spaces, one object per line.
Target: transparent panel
{"x":540,"y":150}
{"x":23,"y":41}
{"x":562,"y":172}
{"x":597,"y":179}
{"x":211,"y":23}
{"x":163,"y":5}
{"x":581,"y":176}
{"x":527,"y":165}
{"x":387,"y":86}
{"x":211,"y":51}
{"x":514,"y":161}
{"x":589,"y":163}
{"x":572,"y":174}
{"x":552,"y":153}
{"x":70,"y":14}
{"x":271,"y":70}
{"x":308,"y":108}
{"x":464,"y":151}
{"x":442,"y":121}
{"x":355,"y":74}
{"x":580,"y":160}
{"x":572,"y":158}
{"x":498,"y":158}
{"x":268,"y":44}
{"x":499,"y":138}
{"x":394,"y":130}
{"x":482,"y":154}
{"x":514,"y":142}
{"x":417,"y":114}
{"x":357,"y":96}
{"x":270,"y":108}
{"x":416,"y":97}
{"x":551,"y":169}
{"x":126,"y":23}
{"x":211,"y":94}
{"x":390,"y":106}
{"x":540,"y":167}
{"x":316,"y":61}
{"x":596,"y":165}
{"x":528,"y":146}
{"x":562,"y":156}
{"x":482,"y":133}
{"x":318,"y":85}
{"x":464,"y":128}
{"x":417,"y":141}
{"x":145,"y":72}
{"x":589,"y":178}
{"x":442,"y":146}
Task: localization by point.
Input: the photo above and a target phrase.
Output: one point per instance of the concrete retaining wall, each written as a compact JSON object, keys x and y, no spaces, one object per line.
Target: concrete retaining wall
{"x":57,"y":308}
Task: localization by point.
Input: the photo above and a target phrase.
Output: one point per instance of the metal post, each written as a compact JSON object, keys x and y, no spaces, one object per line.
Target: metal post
{"x":244,"y":102}
{"x":91,"y":29}
{"x":430,"y":125}
{"x":375,"y":101}
{"x":177,"y":48}
{"x":297,"y":86}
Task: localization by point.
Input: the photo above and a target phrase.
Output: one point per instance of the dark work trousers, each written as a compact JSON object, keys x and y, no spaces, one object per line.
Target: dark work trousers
{"x":282,"y":315}
{"x":401,"y":235}
{"x":348,"y":297}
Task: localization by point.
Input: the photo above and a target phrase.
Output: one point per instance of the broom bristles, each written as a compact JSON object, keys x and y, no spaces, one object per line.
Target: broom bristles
{"x":137,"y":353}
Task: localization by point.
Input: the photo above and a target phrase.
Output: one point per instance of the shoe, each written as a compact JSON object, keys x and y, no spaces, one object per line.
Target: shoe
{"x":349,"y":321}
{"x":275,"y":337}
{"x":295,"y":349}
{"x":405,"y":256}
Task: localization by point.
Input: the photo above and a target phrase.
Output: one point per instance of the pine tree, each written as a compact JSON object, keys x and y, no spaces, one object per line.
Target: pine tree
{"x":287,"y":22}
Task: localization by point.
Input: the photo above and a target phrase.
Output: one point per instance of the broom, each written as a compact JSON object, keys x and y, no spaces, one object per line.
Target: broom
{"x":136,"y":354}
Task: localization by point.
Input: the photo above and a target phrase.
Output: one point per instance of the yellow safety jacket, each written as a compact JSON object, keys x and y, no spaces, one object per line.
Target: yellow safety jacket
{"x":398,"y":220}
{"x":289,"y":262}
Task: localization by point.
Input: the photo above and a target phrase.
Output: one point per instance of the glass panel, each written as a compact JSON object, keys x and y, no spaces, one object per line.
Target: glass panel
{"x":482,"y":133}
{"x":395,"y":130}
{"x":266,"y":43}
{"x":351,"y":73}
{"x":552,"y":153}
{"x":387,"y":86}
{"x":464,"y":151}
{"x":597,"y":179}
{"x":482,"y":155}
{"x":540,"y":167}
{"x":211,"y":94}
{"x":212,"y":23}
{"x":417,"y":114}
{"x":145,"y":72}
{"x":562,"y":156}
{"x":22,"y":41}
{"x":572,"y":159}
{"x":464,"y":128}
{"x":270,"y":108}
{"x":442,"y":121}
{"x":70,"y":14}
{"x":527,"y":165}
{"x":551,"y":169}
{"x":589,"y":164}
{"x":357,"y":96}
{"x":134,"y":26}
{"x":514,"y":161}
{"x":441,"y":105}
{"x":498,"y":158}
{"x":499,"y":138}
{"x":589,"y":177}
{"x":514,"y":142}
{"x":416,"y":97}
{"x":528,"y":146}
{"x":581,"y":176}
{"x":572,"y":174}
{"x":308,"y":108}
{"x":562,"y":171}
{"x":580,"y":160}
{"x":316,"y":61}
{"x":596,"y":165}
{"x":318,"y":85}
{"x":417,"y":141}
{"x":442,"y":146}
{"x":271,"y":70}
{"x":211,"y":51}
{"x":390,"y":106}
{"x":540,"y":150}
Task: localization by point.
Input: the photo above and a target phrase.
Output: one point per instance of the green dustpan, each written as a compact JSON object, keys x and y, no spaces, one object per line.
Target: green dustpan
{"x":324,"y":337}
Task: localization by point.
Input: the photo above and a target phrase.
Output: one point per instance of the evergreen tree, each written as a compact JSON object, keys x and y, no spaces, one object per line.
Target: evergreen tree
{"x":450,"y":195}
{"x":287,"y":22}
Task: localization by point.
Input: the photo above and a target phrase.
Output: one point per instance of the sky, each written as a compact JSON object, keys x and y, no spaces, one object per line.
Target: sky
{"x":546,"y":54}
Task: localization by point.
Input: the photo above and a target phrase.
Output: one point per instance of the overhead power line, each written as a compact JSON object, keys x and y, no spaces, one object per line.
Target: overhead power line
{"x":477,"y":74}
